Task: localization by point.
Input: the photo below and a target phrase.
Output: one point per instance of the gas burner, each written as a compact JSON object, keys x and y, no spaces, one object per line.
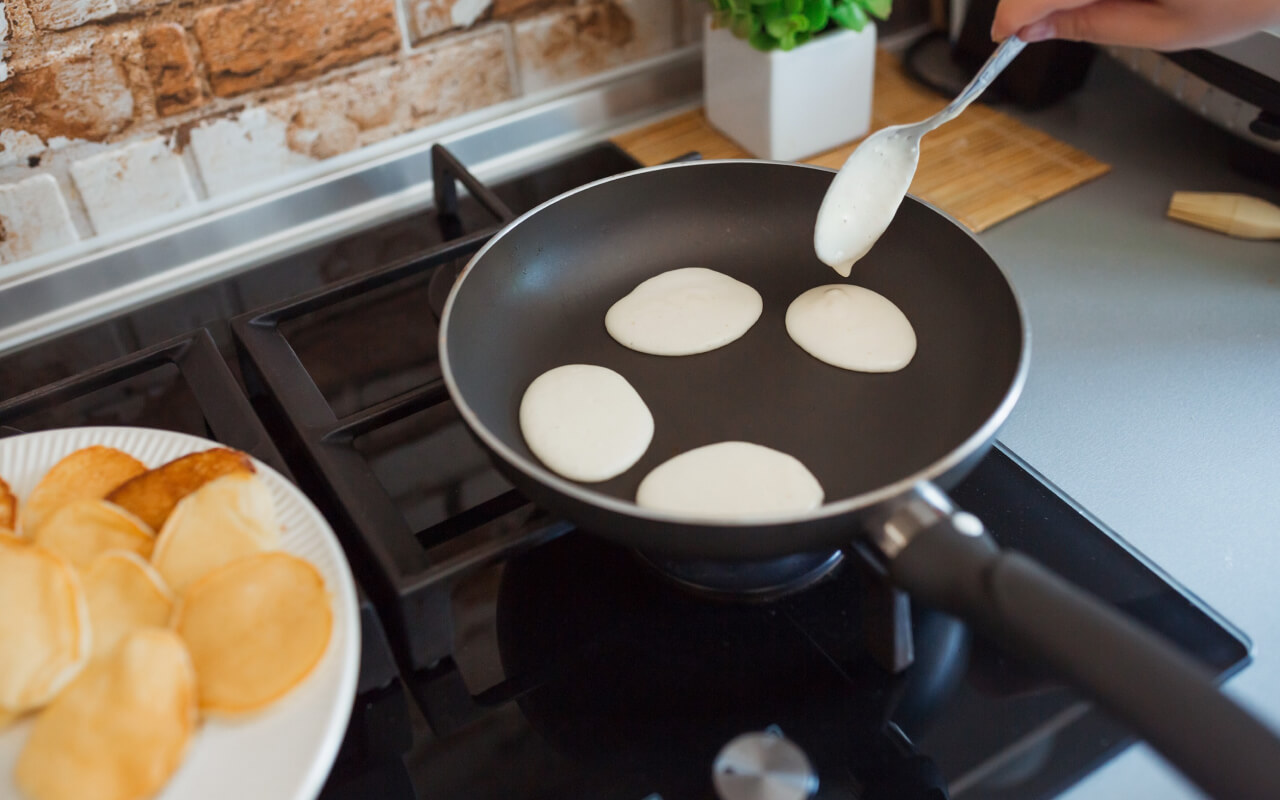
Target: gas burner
{"x":885,"y":611}
{"x":751,"y":581}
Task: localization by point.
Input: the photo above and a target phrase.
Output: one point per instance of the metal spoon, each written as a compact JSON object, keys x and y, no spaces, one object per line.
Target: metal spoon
{"x":1003,"y":55}
{"x":865,"y":195}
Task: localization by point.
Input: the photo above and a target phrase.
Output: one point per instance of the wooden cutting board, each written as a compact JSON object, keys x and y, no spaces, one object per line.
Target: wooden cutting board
{"x":982,"y":167}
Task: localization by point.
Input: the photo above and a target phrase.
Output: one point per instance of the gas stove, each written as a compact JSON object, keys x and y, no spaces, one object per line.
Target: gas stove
{"x":508,"y":655}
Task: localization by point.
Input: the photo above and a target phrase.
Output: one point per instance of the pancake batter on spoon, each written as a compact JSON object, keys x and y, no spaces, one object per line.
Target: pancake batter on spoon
{"x":865,"y":194}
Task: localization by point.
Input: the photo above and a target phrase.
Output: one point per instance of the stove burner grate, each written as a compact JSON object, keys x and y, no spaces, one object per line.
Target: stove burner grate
{"x":410,"y":571}
{"x":222,"y":412}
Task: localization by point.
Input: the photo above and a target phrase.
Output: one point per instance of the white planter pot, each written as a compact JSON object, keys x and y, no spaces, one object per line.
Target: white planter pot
{"x":790,"y":105}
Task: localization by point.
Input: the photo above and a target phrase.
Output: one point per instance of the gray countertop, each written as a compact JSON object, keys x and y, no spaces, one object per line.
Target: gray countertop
{"x":1154,"y":392}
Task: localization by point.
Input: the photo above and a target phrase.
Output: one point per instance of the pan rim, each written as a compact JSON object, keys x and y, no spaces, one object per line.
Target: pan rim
{"x":845,"y":506}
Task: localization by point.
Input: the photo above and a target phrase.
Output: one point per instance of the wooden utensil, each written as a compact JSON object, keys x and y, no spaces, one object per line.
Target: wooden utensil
{"x":1233,"y":214}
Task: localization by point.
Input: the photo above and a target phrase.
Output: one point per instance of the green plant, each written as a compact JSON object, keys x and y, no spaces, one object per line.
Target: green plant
{"x":784,"y":24}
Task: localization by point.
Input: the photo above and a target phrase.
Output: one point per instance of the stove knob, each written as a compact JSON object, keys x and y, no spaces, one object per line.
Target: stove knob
{"x":763,"y":766}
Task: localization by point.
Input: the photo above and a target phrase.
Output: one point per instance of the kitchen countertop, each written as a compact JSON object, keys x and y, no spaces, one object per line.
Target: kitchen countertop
{"x":1153,"y":396}
{"x":1154,"y":391}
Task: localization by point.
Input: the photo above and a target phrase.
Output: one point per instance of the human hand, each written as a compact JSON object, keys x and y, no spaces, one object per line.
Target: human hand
{"x":1157,"y":24}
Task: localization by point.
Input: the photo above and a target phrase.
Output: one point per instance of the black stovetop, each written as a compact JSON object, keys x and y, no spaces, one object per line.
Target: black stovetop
{"x":509,"y":656}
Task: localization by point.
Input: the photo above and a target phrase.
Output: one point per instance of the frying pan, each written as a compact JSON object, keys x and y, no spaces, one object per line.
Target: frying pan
{"x":883,"y":446}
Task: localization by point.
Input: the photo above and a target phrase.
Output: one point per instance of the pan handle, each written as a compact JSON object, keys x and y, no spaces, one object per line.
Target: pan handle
{"x":945,"y":558}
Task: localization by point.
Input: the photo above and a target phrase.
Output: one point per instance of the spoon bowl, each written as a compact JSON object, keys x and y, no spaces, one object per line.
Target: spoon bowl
{"x":865,"y":195}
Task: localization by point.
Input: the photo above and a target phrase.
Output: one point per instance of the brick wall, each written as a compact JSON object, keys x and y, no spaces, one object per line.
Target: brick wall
{"x":116,"y":112}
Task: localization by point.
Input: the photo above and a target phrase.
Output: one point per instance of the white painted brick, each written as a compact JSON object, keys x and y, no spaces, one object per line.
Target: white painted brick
{"x":4,"y":44}
{"x":130,"y":6}
{"x":132,"y":184}
{"x":431,"y":17}
{"x":59,"y":15}
{"x":567,"y":44}
{"x":464,"y":13}
{"x":460,"y":74}
{"x":234,"y":153}
{"x":34,"y":218}
{"x":17,"y":146}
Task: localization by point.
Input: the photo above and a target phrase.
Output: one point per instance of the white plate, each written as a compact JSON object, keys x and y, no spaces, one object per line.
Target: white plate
{"x":285,"y":751}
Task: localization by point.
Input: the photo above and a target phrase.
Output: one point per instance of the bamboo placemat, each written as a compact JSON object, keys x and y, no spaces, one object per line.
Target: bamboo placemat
{"x":982,"y":167}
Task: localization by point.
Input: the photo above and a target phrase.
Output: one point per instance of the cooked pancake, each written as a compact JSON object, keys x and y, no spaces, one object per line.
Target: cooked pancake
{"x":124,"y":594}
{"x":44,"y":627}
{"x":119,"y":731}
{"x":84,"y":529}
{"x":227,"y":518}
{"x":255,"y":628}
{"x":153,"y":495}
{"x":8,"y":507}
{"x":87,"y":474}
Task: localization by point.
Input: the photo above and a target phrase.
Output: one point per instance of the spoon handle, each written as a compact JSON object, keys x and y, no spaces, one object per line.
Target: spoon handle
{"x":1005,"y":53}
